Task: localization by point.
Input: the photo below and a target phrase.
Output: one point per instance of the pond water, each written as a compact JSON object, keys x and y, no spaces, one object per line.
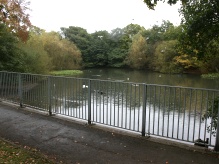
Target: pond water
{"x":149,"y":77}
{"x":173,"y":113}
{"x":118,"y":100}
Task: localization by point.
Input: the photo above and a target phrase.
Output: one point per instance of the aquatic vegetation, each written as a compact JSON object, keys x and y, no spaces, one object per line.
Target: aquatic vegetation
{"x":211,"y":76}
{"x":66,"y":72}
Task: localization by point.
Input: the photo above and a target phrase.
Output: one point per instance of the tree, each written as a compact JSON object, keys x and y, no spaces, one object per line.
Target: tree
{"x":63,"y":53}
{"x":13,"y":15}
{"x":9,"y":53}
{"x":165,"y":31}
{"x":80,"y":38}
{"x":200,"y":23}
{"x":137,"y":57}
{"x":152,"y":3}
{"x":117,"y":52}
{"x":164,"y":57}
{"x":34,"y":58}
{"x":99,"y":48}
{"x":211,"y":57}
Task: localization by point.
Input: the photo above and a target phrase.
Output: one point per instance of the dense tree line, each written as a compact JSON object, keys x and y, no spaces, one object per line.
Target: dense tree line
{"x":192,"y":46}
{"x":159,"y":48}
{"x":41,"y":53}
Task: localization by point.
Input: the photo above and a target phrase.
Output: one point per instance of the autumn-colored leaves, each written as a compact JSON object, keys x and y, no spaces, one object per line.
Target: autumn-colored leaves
{"x":13,"y":13}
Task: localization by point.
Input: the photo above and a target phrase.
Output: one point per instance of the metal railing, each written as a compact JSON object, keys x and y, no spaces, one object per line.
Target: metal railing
{"x":179,"y":113}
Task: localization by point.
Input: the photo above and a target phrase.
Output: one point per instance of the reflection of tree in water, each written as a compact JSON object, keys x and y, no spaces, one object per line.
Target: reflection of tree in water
{"x":181,"y":99}
{"x":117,"y":93}
{"x":36,"y":96}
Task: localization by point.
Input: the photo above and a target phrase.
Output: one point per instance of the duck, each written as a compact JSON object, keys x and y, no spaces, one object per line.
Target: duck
{"x":98,"y":91}
{"x":84,"y":86}
{"x":203,"y":143}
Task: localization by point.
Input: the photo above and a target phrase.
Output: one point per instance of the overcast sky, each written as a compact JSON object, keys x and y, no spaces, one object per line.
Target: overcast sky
{"x":96,"y":15}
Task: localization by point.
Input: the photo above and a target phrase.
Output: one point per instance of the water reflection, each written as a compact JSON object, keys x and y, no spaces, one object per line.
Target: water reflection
{"x":173,"y":112}
{"x":144,"y":76}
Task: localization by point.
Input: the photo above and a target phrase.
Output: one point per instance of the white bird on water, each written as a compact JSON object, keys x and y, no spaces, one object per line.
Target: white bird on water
{"x":84,"y":86}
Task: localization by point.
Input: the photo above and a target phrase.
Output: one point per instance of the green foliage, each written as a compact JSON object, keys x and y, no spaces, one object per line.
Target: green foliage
{"x":116,"y":58}
{"x":211,"y":58}
{"x":66,"y":72}
{"x":81,"y":39}
{"x":164,"y":55}
{"x":152,"y":3}
{"x":137,"y":57}
{"x":212,"y":112}
{"x":211,"y":76}
{"x":34,"y":58}
{"x":9,"y":53}
{"x":121,"y":41}
{"x":199,"y":31}
{"x":133,"y":29}
{"x":63,"y":53}
{"x":201,"y":25}
{"x":99,"y":48}
{"x":165,"y":31}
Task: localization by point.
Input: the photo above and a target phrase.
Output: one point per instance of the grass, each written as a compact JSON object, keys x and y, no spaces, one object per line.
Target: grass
{"x":211,"y":76}
{"x":66,"y":72}
{"x":13,"y":153}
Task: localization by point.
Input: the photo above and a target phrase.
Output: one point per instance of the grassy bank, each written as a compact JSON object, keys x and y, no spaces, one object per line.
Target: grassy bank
{"x":66,"y":72}
{"x":13,"y":153}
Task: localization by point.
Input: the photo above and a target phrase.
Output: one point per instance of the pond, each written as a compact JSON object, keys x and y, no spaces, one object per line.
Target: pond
{"x":149,"y":77}
{"x":120,"y":98}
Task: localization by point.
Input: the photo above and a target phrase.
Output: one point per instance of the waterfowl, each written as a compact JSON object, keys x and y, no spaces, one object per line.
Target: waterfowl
{"x":84,"y":86}
{"x":98,"y":91}
{"x":203,"y":143}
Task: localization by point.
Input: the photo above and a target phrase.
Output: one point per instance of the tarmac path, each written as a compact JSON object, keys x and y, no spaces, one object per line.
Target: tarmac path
{"x":72,"y":142}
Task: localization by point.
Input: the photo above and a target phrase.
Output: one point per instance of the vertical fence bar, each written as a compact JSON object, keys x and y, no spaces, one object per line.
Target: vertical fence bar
{"x":174,"y":103}
{"x":2,"y":84}
{"x":20,"y":90}
{"x":49,"y":95}
{"x":216,"y":148}
{"x":190,"y":106}
{"x":89,"y":102}
{"x":144,"y":109}
{"x":154,"y":107}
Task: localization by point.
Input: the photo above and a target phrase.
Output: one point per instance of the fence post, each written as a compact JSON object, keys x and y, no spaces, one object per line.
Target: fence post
{"x":144,"y":109}
{"x":89,"y":102}
{"x":1,"y":85}
{"x":49,"y":95}
{"x":216,"y":148}
{"x":20,"y":90}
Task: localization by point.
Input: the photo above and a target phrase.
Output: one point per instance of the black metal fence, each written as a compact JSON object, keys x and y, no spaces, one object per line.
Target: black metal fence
{"x":179,"y":113}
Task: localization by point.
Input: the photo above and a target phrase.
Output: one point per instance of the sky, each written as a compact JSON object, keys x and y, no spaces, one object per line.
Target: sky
{"x":97,"y":15}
